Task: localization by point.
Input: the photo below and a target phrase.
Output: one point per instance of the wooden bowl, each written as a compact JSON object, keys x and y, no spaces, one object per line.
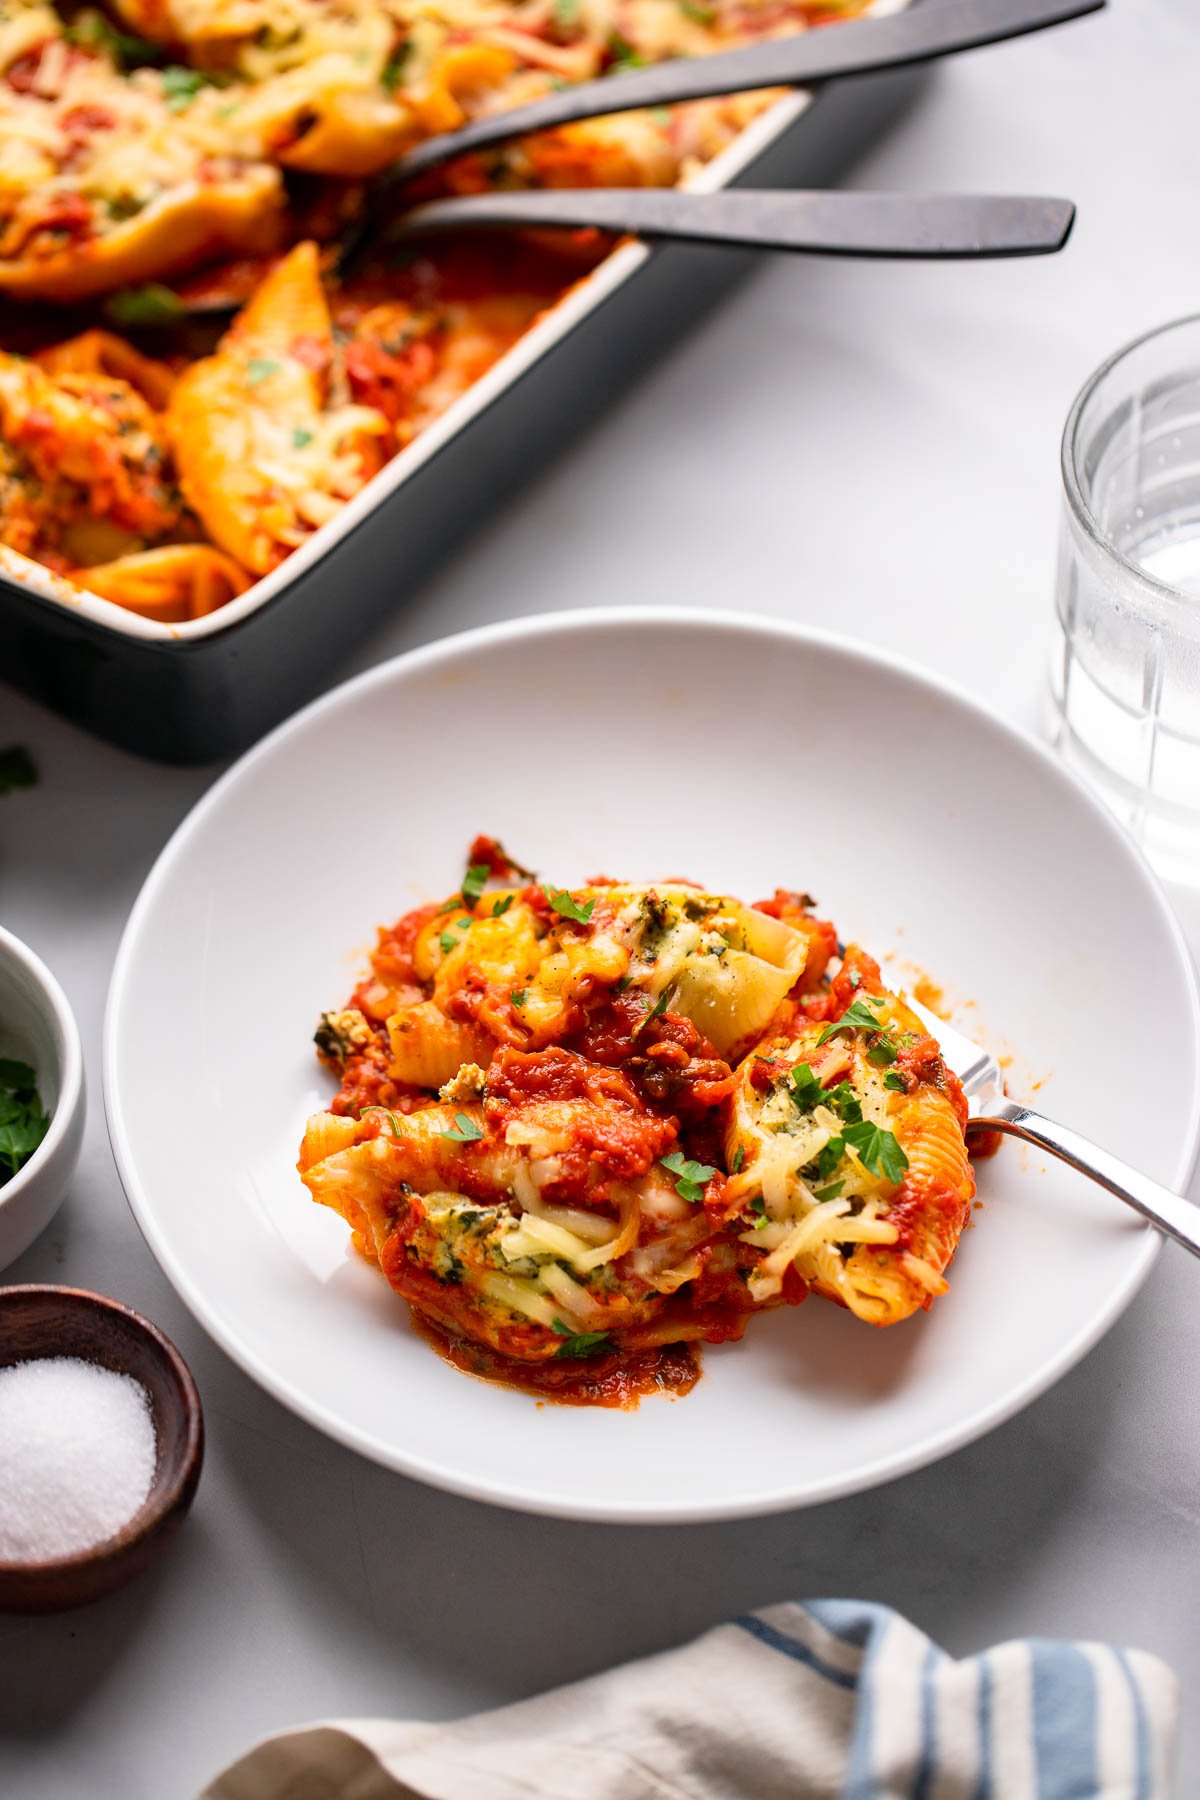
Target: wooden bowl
{"x":38,"y":1321}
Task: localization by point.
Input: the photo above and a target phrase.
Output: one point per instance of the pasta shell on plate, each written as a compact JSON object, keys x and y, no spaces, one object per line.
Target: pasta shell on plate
{"x":849,"y":1141}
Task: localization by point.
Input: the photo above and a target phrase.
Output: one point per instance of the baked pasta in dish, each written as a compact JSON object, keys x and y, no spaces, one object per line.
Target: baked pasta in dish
{"x":581,"y":1131}
{"x":217,"y":147}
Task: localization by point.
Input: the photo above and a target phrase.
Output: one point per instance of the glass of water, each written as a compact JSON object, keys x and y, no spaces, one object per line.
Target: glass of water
{"x":1125,"y":664}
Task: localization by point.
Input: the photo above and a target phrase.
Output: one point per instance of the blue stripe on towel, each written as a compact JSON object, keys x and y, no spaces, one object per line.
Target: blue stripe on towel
{"x":1141,"y":1726}
{"x":984,"y":1789}
{"x":927,"y":1767}
{"x":1064,"y":1722}
{"x":854,"y":1621}
{"x":790,"y":1646}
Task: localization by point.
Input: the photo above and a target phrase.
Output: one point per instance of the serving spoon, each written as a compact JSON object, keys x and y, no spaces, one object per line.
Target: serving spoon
{"x":893,"y":225}
{"x":857,"y":47}
{"x":989,"y":1109}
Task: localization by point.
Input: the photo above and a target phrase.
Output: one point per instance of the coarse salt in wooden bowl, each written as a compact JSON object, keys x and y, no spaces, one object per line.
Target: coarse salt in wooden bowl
{"x":38,"y":1322}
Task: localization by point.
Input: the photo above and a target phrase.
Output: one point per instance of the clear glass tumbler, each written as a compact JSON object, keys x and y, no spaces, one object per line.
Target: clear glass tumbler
{"x":1125,"y":664}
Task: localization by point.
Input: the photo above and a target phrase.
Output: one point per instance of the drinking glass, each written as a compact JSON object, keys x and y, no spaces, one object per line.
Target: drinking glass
{"x":1125,"y":663}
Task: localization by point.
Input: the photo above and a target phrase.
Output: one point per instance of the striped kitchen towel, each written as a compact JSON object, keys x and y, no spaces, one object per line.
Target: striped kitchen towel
{"x":829,"y":1698}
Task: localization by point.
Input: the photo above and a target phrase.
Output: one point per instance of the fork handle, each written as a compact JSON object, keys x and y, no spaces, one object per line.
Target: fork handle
{"x":1174,"y":1215}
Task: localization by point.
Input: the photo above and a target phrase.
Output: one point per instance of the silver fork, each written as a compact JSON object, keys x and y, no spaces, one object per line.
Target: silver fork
{"x":989,"y":1108}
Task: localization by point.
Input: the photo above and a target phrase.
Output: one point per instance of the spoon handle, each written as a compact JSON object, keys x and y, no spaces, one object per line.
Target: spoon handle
{"x":1172,"y":1214}
{"x":858,"y":47}
{"x":829,"y":224}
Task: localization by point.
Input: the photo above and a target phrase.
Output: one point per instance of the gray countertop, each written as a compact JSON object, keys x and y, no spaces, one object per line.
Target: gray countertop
{"x":870,"y":448}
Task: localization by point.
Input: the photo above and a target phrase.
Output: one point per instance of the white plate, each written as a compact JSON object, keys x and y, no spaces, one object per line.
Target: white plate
{"x":745,"y":754}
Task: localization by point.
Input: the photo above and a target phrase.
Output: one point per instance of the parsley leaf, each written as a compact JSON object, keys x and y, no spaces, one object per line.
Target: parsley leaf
{"x":758,"y":1205}
{"x":857,"y":1017}
{"x":736,"y":1161}
{"x":258,"y":369}
{"x":463,"y":1131}
{"x":579,"y":1343}
{"x":388,"y":1114}
{"x":519,"y":996}
{"x":23,"y":1120}
{"x":844,"y":1101}
{"x":393,"y":69}
{"x":655,"y":1012}
{"x":830,"y":1192}
{"x":691,"y":1176}
{"x":878,"y":1150}
{"x":806,"y":1088}
{"x":447,"y":942}
{"x":151,"y":304}
{"x":180,"y":86}
{"x":17,"y":769}
{"x":897,"y":1082}
{"x":474,"y":882}
{"x":301,"y":438}
{"x":501,"y":906}
{"x":882,"y":1053}
{"x":829,"y":1158}
{"x":562,"y":903}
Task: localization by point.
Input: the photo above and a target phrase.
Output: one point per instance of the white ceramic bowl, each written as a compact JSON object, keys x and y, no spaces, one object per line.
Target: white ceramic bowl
{"x":37,"y":1026}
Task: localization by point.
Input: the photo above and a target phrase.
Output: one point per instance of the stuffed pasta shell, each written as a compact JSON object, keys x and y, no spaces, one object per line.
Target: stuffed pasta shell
{"x":848,"y":1137}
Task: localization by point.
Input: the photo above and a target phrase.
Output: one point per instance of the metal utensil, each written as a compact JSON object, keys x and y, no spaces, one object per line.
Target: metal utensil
{"x":829,"y":224}
{"x":990,"y":1109}
{"x":857,"y":47}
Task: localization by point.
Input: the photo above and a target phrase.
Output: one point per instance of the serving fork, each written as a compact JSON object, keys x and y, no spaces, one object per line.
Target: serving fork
{"x":990,"y":1109}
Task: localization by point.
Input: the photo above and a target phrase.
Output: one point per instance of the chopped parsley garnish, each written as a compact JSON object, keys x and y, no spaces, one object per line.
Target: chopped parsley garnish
{"x":447,"y":941}
{"x":691,"y":1176}
{"x":566,"y":13}
{"x":843,"y":1100}
{"x":388,"y":1114}
{"x":829,"y":1158}
{"x":24,"y":1121}
{"x":857,"y":1017}
{"x":180,"y":86}
{"x":139,"y":307}
{"x":95,"y":33}
{"x":882,"y":1053}
{"x":736,"y":1161}
{"x":393,"y":69}
{"x":463,"y":1131}
{"x":806,"y":1088}
{"x":474,"y":882}
{"x":623,"y":54}
{"x":758,"y":1205}
{"x":301,"y":438}
{"x":830,"y":1192}
{"x":259,"y":369}
{"x":501,"y":906}
{"x":561,"y":902}
{"x":519,"y":996}
{"x":579,"y":1343}
{"x":897,"y":1082}
{"x":654,"y":1012}
{"x":17,"y":769}
{"x":877,"y":1150}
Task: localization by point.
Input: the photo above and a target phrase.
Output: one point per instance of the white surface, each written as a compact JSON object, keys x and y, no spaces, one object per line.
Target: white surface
{"x":876,"y":445}
{"x":810,"y":1405}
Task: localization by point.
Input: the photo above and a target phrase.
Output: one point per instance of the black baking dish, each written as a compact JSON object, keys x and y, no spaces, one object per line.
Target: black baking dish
{"x":199,"y":691}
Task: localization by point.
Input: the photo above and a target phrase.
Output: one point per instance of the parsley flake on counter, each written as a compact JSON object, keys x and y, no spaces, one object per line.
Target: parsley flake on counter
{"x":579,"y":1343}
{"x":561,"y":902}
{"x":24,"y":1121}
{"x":690,"y":1176}
{"x":878,"y":1151}
{"x":463,"y":1131}
{"x":17,"y":769}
